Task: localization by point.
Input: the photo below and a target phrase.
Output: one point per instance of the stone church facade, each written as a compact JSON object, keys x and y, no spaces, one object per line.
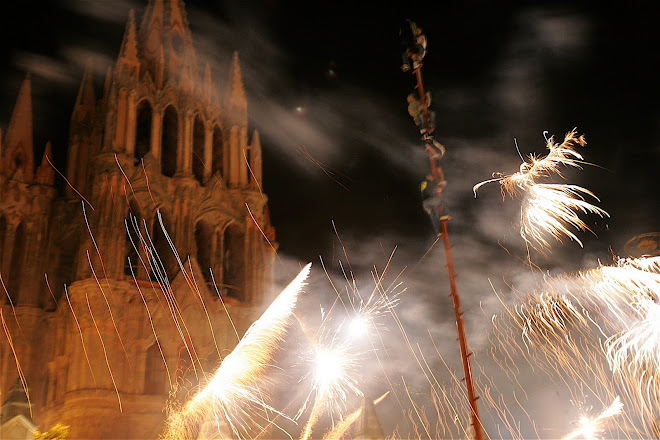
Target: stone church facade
{"x":132,"y":282}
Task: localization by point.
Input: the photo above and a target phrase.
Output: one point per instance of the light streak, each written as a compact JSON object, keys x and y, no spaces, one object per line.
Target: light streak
{"x":326,"y":169}
{"x":68,"y":183}
{"x":146,"y":181}
{"x":595,"y":331}
{"x":151,"y":321}
{"x":254,"y":177}
{"x":105,"y":298}
{"x":549,"y":208}
{"x":194,"y":288}
{"x":638,"y":346}
{"x":552,"y":209}
{"x":98,"y":252}
{"x":338,"y":432}
{"x":155,"y":266}
{"x":233,"y":395}
{"x":52,"y":295}
{"x":224,"y":307}
{"x":130,"y":185}
{"x":263,"y":233}
{"x":2,"y":282}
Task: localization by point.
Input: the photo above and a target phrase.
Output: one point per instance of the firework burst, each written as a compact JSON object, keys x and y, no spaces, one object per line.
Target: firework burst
{"x":595,"y":332}
{"x":333,"y":373}
{"x":549,"y":209}
{"x":590,"y":427}
{"x":233,"y":396}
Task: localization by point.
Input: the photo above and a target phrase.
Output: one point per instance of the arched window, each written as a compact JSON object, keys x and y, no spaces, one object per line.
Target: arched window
{"x":204,"y":243}
{"x":133,"y":243}
{"x":15,"y":270}
{"x":199,"y":153}
{"x":163,"y":262}
{"x":218,"y":153}
{"x":143,"y":129}
{"x":155,"y":374}
{"x":234,"y":262}
{"x":170,"y":142}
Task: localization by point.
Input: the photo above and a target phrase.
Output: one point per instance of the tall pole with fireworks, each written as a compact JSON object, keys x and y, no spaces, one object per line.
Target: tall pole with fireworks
{"x":414,"y":49}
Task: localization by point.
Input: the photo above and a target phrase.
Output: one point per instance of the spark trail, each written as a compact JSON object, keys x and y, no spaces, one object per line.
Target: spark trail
{"x":549,"y":209}
{"x":233,"y":396}
{"x":595,"y":334}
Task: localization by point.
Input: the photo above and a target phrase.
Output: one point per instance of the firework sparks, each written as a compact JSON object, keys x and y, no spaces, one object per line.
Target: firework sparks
{"x":234,"y":383}
{"x":637,"y":347}
{"x":334,"y":354}
{"x":358,"y":326}
{"x":549,"y":209}
{"x":597,"y":332}
{"x":366,"y":318}
{"x":552,"y":209}
{"x":333,"y":374}
{"x":590,"y":427}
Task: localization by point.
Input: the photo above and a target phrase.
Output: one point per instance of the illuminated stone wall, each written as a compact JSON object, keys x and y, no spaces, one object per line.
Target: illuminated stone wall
{"x":157,"y":146}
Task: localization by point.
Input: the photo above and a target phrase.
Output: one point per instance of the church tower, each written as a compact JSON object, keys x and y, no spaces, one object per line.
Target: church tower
{"x":162,"y":237}
{"x":26,"y":199}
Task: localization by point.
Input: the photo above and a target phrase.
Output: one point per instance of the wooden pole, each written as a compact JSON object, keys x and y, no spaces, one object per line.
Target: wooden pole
{"x":438,"y":177}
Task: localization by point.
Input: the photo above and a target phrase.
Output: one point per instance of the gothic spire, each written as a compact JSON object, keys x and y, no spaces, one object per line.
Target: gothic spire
{"x":256,"y":140}
{"x":178,"y":18}
{"x":83,"y":110}
{"x":19,"y":155}
{"x":165,"y":30}
{"x":151,"y":28}
{"x":235,"y":99}
{"x":367,"y":426}
{"x":128,"y":62}
{"x":45,"y":174}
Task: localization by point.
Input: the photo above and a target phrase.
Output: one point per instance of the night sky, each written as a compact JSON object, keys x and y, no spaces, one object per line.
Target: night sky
{"x":496,"y":72}
{"x":499,"y":73}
